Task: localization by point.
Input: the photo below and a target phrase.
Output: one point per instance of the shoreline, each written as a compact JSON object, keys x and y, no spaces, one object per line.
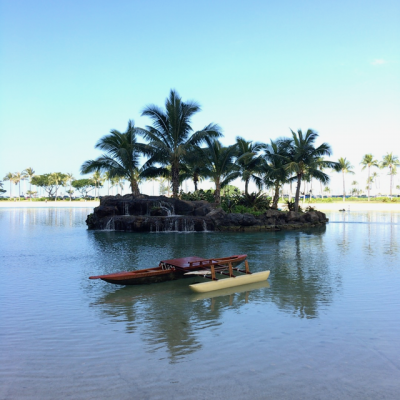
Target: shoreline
{"x":340,"y":205}
{"x":49,"y":204}
{"x":351,"y":206}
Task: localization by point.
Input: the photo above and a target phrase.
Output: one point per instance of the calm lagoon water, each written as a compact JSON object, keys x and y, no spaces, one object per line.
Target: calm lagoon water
{"x":325,"y":326}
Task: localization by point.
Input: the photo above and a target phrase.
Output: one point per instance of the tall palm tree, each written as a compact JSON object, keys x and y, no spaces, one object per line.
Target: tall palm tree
{"x":390,"y":161}
{"x":303,"y":157}
{"x":354,"y":190}
{"x":344,"y":167}
{"x":218,"y":164}
{"x":98,"y":179}
{"x":368,"y":162}
{"x":274,"y":171}
{"x":29,"y":173}
{"x":17,"y":178}
{"x":249,"y":162}
{"x":171,"y":136}
{"x":121,"y":157}
{"x":9,"y":177}
{"x":191,"y":168}
{"x":69,"y":178}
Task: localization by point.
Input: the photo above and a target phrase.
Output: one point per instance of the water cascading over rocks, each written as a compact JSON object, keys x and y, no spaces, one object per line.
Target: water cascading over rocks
{"x":162,"y":214}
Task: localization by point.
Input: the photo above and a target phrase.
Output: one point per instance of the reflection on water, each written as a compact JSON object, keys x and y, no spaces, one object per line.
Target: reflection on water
{"x":329,"y":311}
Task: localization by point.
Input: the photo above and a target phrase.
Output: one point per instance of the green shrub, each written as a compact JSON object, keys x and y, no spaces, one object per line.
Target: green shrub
{"x":290,"y":205}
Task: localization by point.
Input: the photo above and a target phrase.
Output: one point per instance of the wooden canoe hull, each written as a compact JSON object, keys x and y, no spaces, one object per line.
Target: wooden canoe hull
{"x":167,"y":271}
{"x":140,"y":277}
{"x":229,"y":282}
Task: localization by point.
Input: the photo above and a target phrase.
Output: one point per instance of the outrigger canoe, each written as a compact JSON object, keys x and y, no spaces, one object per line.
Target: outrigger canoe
{"x":224,"y":283}
{"x":173,"y":269}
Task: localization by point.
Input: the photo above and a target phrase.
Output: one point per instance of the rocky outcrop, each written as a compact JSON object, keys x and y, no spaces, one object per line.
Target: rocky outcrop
{"x":163,"y":214}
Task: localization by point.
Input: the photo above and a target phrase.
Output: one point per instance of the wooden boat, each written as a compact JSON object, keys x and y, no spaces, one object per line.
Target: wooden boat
{"x":170,"y":270}
{"x":233,"y":280}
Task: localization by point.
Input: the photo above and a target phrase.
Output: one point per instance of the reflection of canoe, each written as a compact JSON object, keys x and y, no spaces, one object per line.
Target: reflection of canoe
{"x":229,"y":282}
{"x":229,"y":291}
{"x":169,"y":270}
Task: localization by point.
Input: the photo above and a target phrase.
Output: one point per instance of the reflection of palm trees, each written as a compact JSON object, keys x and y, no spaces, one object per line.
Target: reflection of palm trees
{"x":301,"y":279}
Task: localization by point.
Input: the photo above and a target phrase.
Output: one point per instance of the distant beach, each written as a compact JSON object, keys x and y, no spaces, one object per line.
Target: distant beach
{"x":353,"y":206}
{"x":50,"y":204}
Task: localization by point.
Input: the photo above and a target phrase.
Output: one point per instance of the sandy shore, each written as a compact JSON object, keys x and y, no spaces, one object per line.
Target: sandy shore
{"x":50,"y":204}
{"x":353,"y":206}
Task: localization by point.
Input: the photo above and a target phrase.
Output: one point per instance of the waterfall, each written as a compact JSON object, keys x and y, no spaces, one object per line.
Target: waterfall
{"x":110,"y":225}
{"x":126,"y":208}
{"x":169,"y":224}
{"x":204,"y":226}
{"x":188,"y":226}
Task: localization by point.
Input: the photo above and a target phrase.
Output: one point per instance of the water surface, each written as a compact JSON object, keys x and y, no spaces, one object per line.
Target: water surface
{"x":325,"y":325}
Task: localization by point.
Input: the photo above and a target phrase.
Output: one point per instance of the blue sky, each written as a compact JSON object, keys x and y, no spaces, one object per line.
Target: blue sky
{"x":72,"y":70}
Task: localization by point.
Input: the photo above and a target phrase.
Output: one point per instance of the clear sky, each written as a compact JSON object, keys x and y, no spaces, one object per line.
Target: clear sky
{"x":72,"y":70}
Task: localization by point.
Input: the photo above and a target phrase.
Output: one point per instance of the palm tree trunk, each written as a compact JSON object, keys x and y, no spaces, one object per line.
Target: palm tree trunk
{"x":344,"y":189}
{"x":369,"y":183}
{"x":276,"y":196}
{"x":134,"y":187}
{"x":246,"y":186}
{"x":296,"y":199}
{"x":19,"y":190}
{"x":217,"y":193}
{"x":195,"y":181}
{"x":391,"y":181}
{"x":175,"y":181}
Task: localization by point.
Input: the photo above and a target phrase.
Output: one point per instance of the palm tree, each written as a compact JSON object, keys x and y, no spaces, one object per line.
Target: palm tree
{"x":327,"y":190}
{"x":121,"y":157}
{"x":9,"y":177}
{"x":248,"y":162}
{"x":69,"y":178}
{"x":191,"y":168}
{"x":390,"y":161}
{"x":29,"y":173}
{"x":344,"y":167}
{"x":273,"y":169}
{"x":1,"y":188}
{"x":303,"y":157}
{"x":17,"y":178}
{"x":98,"y":179}
{"x":354,"y":190}
{"x":218,"y":164}
{"x":368,"y":162}
{"x":171,"y":137}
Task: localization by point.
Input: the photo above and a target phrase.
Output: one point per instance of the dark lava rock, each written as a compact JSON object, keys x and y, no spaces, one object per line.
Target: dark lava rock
{"x":163,"y":214}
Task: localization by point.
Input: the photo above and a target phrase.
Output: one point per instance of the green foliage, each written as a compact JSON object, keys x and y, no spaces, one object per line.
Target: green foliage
{"x":50,"y":182}
{"x":290,"y":205}
{"x":84,"y":186}
{"x":207,"y":195}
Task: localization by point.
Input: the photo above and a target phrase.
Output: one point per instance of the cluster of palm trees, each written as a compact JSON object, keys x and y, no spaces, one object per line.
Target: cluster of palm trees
{"x":17,"y":177}
{"x":174,"y":151}
{"x":388,"y":161}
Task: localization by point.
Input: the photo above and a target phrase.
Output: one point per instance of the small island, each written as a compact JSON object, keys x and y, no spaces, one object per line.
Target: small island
{"x":144,"y":213}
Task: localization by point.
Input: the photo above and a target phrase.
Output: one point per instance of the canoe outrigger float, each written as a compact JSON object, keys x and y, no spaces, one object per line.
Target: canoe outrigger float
{"x":188,"y":267}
